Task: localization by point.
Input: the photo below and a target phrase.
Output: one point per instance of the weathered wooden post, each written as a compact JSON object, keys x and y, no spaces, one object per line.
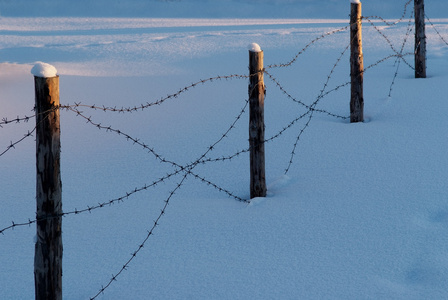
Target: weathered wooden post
{"x":257,"y":92}
{"x":420,"y":39}
{"x":48,"y":248}
{"x":356,"y":64}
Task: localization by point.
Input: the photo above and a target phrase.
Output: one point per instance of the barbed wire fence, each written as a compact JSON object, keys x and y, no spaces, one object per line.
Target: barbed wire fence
{"x":188,"y":170}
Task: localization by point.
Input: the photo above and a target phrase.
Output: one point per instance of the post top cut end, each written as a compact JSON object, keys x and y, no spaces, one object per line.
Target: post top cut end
{"x":254,"y":47}
{"x":355,"y":1}
{"x":44,"y":70}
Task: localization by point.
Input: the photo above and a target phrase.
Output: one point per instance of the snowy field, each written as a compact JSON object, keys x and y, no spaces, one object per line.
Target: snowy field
{"x":361,"y":213}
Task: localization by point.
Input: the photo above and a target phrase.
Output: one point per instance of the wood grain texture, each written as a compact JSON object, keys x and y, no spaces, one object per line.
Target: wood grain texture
{"x":256,"y":125}
{"x":356,"y":65}
{"x":48,"y":248}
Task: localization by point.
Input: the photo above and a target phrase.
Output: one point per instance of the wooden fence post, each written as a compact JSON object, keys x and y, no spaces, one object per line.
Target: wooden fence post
{"x":256,"y":122}
{"x":48,"y":248}
{"x":356,"y":63}
{"x":420,"y":39}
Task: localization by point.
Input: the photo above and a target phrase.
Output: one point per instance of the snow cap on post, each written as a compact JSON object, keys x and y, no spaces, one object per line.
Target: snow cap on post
{"x":254,"y":47}
{"x":355,"y":1}
{"x":44,"y":70}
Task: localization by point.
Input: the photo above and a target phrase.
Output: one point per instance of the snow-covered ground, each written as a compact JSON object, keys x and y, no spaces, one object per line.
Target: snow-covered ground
{"x":362,"y":212}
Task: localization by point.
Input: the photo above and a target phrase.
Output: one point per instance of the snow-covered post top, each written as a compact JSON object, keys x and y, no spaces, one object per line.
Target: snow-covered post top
{"x":355,"y":2}
{"x":44,"y":70}
{"x":254,"y":47}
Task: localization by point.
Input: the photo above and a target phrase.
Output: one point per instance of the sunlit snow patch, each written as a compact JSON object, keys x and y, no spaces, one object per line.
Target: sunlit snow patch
{"x":42,"y":69}
{"x":254,"y":47}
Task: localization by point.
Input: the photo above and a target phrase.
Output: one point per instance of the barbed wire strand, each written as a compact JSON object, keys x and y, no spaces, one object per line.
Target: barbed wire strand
{"x":142,"y":107}
{"x":152,"y":151}
{"x":435,"y":29}
{"x":393,"y":23}
{"x":288,"y":95}
{"x":311,"y":112}
{"x":294,"y":59}
{"x":142,"y":244}
{"x":13,"y":144}
{"x":16,"y":120}
{"x":99,"y":205}
{"x":391,"y":45}
{"x":398,"y":60}
{"x":28,"y":134}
